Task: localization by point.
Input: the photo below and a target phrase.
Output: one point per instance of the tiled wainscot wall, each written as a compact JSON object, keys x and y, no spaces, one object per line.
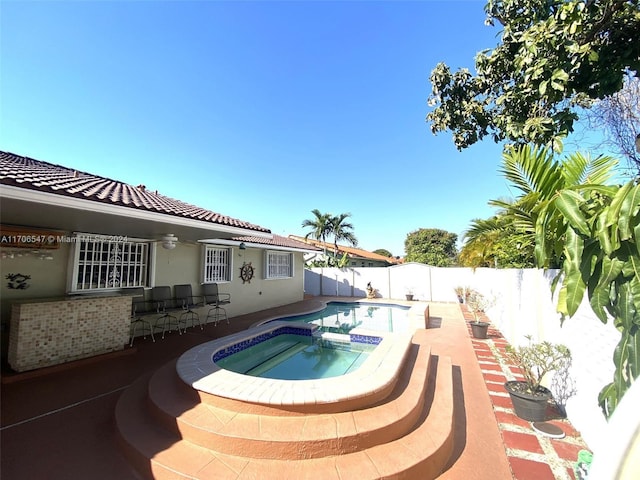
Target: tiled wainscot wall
{"x":50,"y":332}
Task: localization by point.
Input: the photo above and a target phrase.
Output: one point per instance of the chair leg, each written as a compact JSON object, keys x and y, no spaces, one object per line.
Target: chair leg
{"x":189,"y":314}
{"x":145,"y":325}
{"x":134,"y":326}
{"x":197,"y":317}
{"x":217,"y":314}
{"x":171,"y":320}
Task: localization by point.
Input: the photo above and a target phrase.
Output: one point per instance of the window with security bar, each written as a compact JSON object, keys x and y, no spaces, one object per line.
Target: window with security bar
{"x":103,"y":264}
{"x":279,"y":264}
{"x":217,"y":264}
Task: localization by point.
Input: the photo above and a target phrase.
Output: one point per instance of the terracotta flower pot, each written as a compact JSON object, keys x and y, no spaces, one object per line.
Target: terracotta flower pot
{"x":531,"y":407}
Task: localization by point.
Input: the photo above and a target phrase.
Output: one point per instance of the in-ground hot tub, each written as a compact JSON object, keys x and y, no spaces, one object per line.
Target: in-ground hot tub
{"x":375,"y":376}
{"x":291,"y":354}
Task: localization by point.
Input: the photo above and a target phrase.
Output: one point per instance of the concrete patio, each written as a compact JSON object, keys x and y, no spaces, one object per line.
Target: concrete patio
{"x":58,"y":423}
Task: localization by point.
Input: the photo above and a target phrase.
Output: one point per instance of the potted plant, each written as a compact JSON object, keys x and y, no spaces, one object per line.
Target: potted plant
{"x":460,"y":292}
{"x":477,"y":304}
{"x":409,"y":293}
{"x":535,"y":360}
{"x":371,"y":292}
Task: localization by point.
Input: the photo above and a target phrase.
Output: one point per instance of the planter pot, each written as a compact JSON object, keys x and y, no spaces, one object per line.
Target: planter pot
{"x":479,"y":329}
{"x":527,"y":406}
{"x":409,"y":296}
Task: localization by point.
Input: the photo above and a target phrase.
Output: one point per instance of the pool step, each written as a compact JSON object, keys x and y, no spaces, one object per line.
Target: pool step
{"x":158,"y":449}
{"x":292,"y":436}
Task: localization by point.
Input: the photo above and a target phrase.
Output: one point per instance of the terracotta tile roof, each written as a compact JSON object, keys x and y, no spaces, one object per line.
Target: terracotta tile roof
{"x":277,"y":241}
{"x":351,"y":251}
{"x":41,"y":176}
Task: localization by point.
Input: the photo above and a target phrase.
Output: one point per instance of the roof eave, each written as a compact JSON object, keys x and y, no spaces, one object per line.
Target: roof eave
{"x":52,"y":199}
{"x":264,"y":246}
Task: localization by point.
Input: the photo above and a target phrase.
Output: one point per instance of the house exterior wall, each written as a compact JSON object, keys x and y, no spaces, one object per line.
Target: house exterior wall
{"x":47,"y":279}
{"x":178,"y":266}
{"x":523,"y":306}
{"x":261,"y":293}
{"x":182,"y":265}
{"x":366,"y":262}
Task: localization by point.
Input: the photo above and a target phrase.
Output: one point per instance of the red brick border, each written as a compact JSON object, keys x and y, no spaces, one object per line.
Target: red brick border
{"x":532,"y":456}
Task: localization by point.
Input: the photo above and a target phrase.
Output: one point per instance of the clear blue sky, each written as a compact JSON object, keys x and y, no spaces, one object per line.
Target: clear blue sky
{"x":261,"y":111}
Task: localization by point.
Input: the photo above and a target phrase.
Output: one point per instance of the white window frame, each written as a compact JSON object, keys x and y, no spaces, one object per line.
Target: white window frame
{"x":275,"y":267}
{"x":104,"y":261}
{"x":217,"y":264}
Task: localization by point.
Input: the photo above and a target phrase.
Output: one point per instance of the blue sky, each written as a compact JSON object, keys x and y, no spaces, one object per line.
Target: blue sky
{"x":261,"y":111}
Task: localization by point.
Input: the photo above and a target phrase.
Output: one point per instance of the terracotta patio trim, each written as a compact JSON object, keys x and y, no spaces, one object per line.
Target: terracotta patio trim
{"x":530,"y":454}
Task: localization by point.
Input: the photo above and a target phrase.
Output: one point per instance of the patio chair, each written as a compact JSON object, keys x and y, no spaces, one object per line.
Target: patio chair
{"x":139,"y":307}
{"x":163,"y":303}
{"x":215,"y":299}
{"x":185,"y":299}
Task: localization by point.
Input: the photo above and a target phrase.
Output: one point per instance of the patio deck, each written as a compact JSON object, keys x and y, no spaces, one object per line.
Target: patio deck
{"x":58,"y":423}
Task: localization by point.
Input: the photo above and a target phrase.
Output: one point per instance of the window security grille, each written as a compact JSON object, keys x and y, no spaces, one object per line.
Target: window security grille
{"x":217,"y":265}
{"x":279,"y":265}
{"x":105,"y":265}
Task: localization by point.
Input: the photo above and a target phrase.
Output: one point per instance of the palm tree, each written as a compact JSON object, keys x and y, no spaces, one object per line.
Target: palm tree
{"x":342,"y":231}
{"x":324,"y":225}
{"x":482,"y":241}
{"x":592,"y":230}
{"x":539,"y":177}
{"x":321,"y":226}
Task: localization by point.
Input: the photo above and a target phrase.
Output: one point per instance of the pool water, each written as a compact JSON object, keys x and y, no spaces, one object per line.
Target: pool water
{"x":297,"y":357}
{"x":340,"y":317}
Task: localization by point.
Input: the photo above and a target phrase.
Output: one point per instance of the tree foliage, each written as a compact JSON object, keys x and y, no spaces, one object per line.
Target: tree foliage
{"x":507,"y":239}
{"x":495,"y":242}
{"x":553,"y":55}
{"x":384,"y":252}
{"x":341,"y":230}
{"x":593,"y":230}
{"x":320,"y":226}
{"x":619,"y":117}
{"x":324,"y":226}
{"x":598,"y":230}
{"x":431,"y":246}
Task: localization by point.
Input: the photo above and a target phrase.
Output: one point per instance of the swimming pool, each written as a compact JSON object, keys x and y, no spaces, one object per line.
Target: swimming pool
{"x":298,"y":357}
{"x":343,"y":317}
{"x":377,"y":373}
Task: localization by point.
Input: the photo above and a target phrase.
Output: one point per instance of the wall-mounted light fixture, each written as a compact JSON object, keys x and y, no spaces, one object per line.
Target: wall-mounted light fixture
{"x":242,"y":246}
{"x":169,"y":241}
{"x":10,"y":254}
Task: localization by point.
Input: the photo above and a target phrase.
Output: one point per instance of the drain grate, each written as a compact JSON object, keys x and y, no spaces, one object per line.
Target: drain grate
{"x":548,"y":429}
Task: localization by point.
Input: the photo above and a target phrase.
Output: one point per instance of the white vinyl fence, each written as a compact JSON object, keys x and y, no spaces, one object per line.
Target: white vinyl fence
{"x":523,"y":306}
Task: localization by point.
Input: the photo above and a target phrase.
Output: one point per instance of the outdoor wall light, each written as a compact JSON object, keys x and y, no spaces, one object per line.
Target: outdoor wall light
{"x":10,"y":254}
{"x":169,"y":241}
{"x":242,"y":246}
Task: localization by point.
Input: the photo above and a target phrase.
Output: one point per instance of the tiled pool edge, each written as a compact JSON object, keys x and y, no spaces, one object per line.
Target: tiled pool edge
{"x":197,"y":369}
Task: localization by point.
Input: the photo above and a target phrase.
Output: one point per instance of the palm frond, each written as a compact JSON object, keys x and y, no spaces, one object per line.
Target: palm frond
{"x":532,"y":170}
{"x":579,"y":169}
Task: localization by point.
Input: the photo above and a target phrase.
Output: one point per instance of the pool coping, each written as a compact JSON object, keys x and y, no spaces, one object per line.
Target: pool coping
{"x":377,"y":373}
{"x":418,"y":314}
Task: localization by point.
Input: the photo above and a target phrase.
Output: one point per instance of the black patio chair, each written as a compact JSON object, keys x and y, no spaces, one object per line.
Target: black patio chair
{"x":139,"y":307}
{"x":187,"y":301}
{"x":164,"y":303}
{"x":215,"y":299}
